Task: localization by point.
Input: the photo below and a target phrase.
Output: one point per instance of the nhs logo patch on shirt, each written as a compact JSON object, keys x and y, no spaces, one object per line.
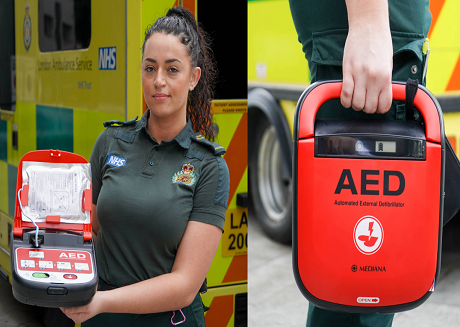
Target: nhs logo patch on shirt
{"x":108,"y":58}
{"x":115,"y":161}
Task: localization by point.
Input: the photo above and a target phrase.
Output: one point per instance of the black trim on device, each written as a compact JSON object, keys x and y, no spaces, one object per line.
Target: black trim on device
{"x":52,"y":294}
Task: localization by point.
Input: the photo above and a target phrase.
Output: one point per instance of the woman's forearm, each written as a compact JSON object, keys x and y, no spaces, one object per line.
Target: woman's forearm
{"x":167,"y":292}
{"x":367,"y":13}
{"x":367,"y":57}
{"x":163,"y":293}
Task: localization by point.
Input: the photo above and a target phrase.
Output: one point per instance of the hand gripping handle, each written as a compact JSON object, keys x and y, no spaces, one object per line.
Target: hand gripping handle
{"x":320,"y":92}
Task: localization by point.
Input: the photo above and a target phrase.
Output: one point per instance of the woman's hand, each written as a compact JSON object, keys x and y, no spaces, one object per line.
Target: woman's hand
{"x":85,"y":312}
{"x":367,"y":57}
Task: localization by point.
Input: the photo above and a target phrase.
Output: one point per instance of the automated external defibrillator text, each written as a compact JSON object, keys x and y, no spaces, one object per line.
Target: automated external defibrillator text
{"x":369,"y":203}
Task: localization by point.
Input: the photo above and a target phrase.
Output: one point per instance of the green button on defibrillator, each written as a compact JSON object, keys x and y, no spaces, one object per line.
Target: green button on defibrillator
{"x":40,"y":275}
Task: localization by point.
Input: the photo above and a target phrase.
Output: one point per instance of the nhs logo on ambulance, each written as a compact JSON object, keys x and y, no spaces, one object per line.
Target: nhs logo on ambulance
{"x":108,"y":58}
{"x":115,"y":161}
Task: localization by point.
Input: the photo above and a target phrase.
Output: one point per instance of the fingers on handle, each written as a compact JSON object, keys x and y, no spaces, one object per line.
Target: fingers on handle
{"x":372,"y":93}
{"x":369,"y":99}
{"x":385,"y":99}
{"x":359,"y":94}
{"x":347,"y":90}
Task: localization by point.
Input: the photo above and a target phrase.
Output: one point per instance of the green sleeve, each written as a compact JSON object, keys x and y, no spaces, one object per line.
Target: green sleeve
{"x":211,"y":193}
{"x":97,"y":162}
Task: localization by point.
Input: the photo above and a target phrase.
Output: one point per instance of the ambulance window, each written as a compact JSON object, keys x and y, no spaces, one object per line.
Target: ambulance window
{"x":229,"y":44}
{"x":7,"y":59}
{"x":64,"y":24}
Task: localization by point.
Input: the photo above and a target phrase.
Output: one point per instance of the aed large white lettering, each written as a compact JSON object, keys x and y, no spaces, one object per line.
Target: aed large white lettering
{"x":72,"y":256}
{"x":366,"y":180}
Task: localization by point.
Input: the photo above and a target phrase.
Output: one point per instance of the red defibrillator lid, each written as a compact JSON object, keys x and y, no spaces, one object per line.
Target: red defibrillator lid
{"x":52,"y":221}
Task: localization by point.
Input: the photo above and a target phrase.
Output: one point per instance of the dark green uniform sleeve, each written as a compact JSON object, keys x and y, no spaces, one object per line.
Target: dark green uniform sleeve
{"x":97,"y":157}
{"x":211,"y":193}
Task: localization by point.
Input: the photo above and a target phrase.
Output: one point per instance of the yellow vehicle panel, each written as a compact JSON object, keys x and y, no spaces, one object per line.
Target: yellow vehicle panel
{"x":274,"y":53}
{"x":75,"y":78}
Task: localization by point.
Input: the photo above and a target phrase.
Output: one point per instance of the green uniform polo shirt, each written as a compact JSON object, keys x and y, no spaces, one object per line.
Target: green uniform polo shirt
{"x":322,"y":29}
{"x":146,"y":193}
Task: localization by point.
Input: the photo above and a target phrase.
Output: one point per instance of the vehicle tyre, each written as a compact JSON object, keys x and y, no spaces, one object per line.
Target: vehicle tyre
{"x":271,"y":194}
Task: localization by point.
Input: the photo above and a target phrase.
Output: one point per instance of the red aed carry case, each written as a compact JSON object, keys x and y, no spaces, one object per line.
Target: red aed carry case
{"x":368,"y":205}
{"x":61,"y":271}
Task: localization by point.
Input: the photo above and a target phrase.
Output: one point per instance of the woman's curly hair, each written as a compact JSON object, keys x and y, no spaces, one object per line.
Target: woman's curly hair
{"x":181,"y":23}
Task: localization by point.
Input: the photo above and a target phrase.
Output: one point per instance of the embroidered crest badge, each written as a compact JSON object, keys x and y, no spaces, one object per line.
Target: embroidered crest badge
{"x":186,"y":176}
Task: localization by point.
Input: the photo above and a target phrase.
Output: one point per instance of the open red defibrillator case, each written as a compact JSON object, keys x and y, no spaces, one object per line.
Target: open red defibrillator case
{"x":368,"y":205}
{"x":53,"y":261}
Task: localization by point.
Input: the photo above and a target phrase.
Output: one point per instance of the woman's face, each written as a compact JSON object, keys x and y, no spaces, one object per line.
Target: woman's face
{"x":167,"y":76}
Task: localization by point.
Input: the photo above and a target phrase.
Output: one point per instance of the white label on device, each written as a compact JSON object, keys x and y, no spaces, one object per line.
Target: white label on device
{"x":63,"y":265}
{"x":37,"y":254}
{"x":27,"y":264}
{"x":45,"y":264}
{"x":81,"y":266}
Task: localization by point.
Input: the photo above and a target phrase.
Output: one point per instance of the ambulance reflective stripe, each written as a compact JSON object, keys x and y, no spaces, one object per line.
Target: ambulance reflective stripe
{"x":444,"y":61}
{"x":435,"y":9}
{"x":235,"y":234}
{"x":108,"y":58}
{"x":230,"y":263}
{"x":443,"y":74}
{"x":221,"y":311}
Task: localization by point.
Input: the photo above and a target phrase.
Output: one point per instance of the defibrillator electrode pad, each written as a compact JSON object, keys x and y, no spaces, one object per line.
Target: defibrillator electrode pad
{"x":56,"y":189}
{"x":367,"y":205}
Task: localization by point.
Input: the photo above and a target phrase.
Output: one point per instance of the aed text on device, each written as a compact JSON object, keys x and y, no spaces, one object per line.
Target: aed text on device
{"x":346,"y":182}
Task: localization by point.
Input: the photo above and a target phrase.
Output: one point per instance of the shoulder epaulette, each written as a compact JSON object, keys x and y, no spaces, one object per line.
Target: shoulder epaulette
{"x":120,"y":122}
{"x":217,"y":148}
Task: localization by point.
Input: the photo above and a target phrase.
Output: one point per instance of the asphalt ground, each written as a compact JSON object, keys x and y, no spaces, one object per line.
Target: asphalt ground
{"x":274,"y":299}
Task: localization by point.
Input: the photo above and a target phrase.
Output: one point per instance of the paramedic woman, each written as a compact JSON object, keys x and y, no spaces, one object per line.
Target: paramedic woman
{"x":160,"y":213}
{"x":367,"y":43}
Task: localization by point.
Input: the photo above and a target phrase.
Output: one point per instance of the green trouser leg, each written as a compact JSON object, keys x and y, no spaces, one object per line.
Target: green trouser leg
{"x":318,"y":317}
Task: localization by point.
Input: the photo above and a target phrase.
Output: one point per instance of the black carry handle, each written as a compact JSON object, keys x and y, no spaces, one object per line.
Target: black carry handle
{"x":411,"y":91}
